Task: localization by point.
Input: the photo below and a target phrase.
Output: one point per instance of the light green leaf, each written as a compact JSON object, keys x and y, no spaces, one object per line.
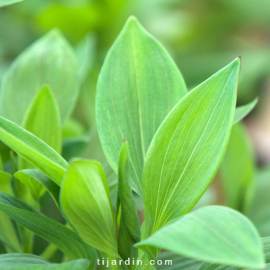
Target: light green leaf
{"x":8,"y":233}
{"x":129,"y":229}
{"x":235,"y":240}
{"x":49,"y":60}
{"x":23,"y":261}
{"x":242,"y":111}
{"x":188,"y":147}
{"x":33,"y":150}
{"x":42,"y":119}
{"x":171,"y":261}
{"x":8,"y":2}
{"x":237,"y":170}
{"x":73,"y":147}
{"x":65,"y":239}
{"x":44,"y":180}
{"x":137,"y":87}
{"x":86,"y":204}
{"x":85,"y":53}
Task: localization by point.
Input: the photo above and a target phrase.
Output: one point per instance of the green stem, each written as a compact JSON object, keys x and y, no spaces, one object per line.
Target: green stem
{"x":49,"y":251}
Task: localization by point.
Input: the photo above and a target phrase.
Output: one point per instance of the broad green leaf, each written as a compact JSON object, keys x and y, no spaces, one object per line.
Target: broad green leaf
{"x":49,"y":60}
{"x":85,"y":53}
{"x":137,"y":87}
{"x":44,"y":180}
{"x":242,"y":111}
{"x":42,"y":119}
{"x":237,"y":170}
{"x":266,"y":247}
{"x":213,"y":234}
{"x":65,"y":239}
{"x":171,"y":261}
{"x":8,"y":2}
{"x":8,"y":233}
{"x":188,"y":147}
{"x":129,"y":229}
{"x":86,"y":204}
{"x":23,"y":261}
{"x":73,"y":147}
{"x":33,"y":150}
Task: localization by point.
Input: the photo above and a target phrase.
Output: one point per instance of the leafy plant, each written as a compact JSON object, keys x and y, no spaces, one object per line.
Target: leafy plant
{"x":165,"y":145}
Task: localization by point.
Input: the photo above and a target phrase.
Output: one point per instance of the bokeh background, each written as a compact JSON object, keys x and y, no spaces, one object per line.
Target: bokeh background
{"x":202,"y":37}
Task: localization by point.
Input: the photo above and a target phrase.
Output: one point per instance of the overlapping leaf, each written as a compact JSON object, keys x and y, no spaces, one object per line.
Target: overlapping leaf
{"x":188,"y":147}
{"x":138,"y":86}
{"x":213,"y":234}
{"x":237,"y":170}
{"x":8,"y":2}
{"x":22,"y":261}
{"x":86,"y":203}
{"x":65,"y":239}
{"x":33,"y":150}
{"x":242,"y":111}
{"x":49,"y":60}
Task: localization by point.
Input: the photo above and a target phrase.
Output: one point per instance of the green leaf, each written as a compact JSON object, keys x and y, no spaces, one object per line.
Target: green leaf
{"x":49,"y":60}
{"x":8,"y":2}
{"x":137,"y":87}
{"x":86,"y":204}
{"x":85,"y":53}
{"x":23,"y":261}
{"x":42,"y":119}
{"x":213,"y":234}
{"x":237,"y":170}
{"x":65,"y":239}
{"x":171,"y":261}
{"x":73,"y":147}
{"x":188,"y":147}
{"x":33,"y":150}
{"x":129,"y":229}
{"x":242,"y":111}
{"x":44,"y":180}
{"x":8,"y":233}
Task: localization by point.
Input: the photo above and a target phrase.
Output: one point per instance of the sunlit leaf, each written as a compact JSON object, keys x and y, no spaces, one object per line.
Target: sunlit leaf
{"x":49,"y":60}
{"x":138,"y":86}
{"x":86,"y":204}
{"x":33,"y":150}
{"x":188,"y":147}
{"x":213,"y":234}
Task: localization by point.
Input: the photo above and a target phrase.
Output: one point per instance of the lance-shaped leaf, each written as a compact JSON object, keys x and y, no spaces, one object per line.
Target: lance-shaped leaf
{"x":215,"y":234}
{"x":237,"y":170}
{"x":129,"y":229}
{"x":86,"y":204}
{"x":43,"y":120}
{"x":7,"y":231}
{"x":33,"y":150}
{"x":242,"y":111}
{"x":138,"y":86}
{"x":23,"y":261}
{"x":65,"y":239}
{"x":4,"y":3}
{"x":50,"y":59}
{"x":36,"y":175}
{"x":188,"y":147}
